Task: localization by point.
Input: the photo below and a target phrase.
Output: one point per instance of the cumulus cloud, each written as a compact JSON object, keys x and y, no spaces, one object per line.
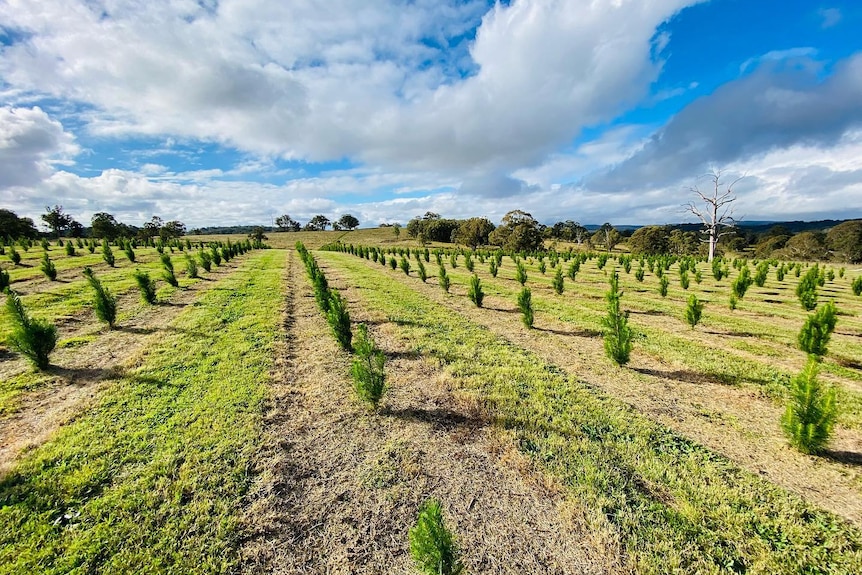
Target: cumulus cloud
{"x":30,"y":143}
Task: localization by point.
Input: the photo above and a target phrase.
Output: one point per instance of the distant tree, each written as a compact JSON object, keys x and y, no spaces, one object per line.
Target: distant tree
{"x":257,"y":234}
{"x":683,"y":243}
{"x":396,"y":229}
{"x":56,"y":219}
{"x":153,"y":227}
{"x":716,"y":215}
{"x":317,"y":223}
{"x":607,"y":236}
{"x":845,"y":241}
{"x":474,"y":232}
{"x":518,"y":231}
{"x":649,"y":240}
{"x":11,"y":226}
{"x":807,"y":246}
{"x":770,"y":244}
{"x":76,"y":230}
{"x":172,"y":229}
{"x":104,"y":225}
{"x":287,"y":224}
{"x":348,"y":222}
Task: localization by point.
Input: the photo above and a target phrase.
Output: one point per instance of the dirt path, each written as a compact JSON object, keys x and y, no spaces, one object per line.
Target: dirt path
{"x":77,"y":374}
{"x":340,"y":486}
{"x":738,"y":422}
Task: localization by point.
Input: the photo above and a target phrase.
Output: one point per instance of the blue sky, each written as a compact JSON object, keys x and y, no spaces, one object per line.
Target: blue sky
{"x":237,"y":111}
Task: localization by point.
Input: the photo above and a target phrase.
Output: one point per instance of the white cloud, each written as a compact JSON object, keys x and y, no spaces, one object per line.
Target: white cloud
{"x":31,"y":143}
{"x":830,"y":17}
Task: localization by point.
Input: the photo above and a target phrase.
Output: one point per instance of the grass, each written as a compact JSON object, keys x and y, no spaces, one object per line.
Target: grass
{"x":670,"y":504}
{"x":151,"y":479}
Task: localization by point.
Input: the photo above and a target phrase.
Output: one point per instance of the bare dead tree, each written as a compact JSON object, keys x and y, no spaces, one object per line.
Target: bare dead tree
{"x":717,"y":211}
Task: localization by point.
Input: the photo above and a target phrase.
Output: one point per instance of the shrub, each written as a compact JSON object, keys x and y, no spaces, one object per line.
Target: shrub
{"x":543,"y":267}
{"x":339,"y":319}
{"x":146,"y":285}
{"x":618,"y":334}
{"x":742,"y":282}
{"x":761,"y":273}
{"x":806,"y":290}
{"x":14,"y":256}
{"x":392,"y":263}
{"x":857,"y":286}
{"x":368,"y":368}
{"x":475,"y":292}
{"x":130,"y":252}
{"x":70,"y":249}
{"x":432,"y":545}
{"x":683,"y":279}
{"x":663,"y":283}
{"x":191,"y":266}
{"x":104,"y":304}
{"x":520,"y":273}
{"x":444,"y":279}
{"x":107,"y":253}
{"x":168,"y":274}
{"x":206,"y":260}
{"x":4,"y":280}
{"x":558,"y":281}
{"x":404,"y":265}
{"x":811,"y":412}
{"x":34,"y":339}
{"x":732,"y":303}
{"x":468,"y":262}
{"x":48,"y":267}
{"x":717,"y":271}
{"x":453,"y":260}
{"x":215,"y":255}
{"x":693,"y":310}
{"x":91,"y":246}
{"x":815,"y":333}
{"x":423,"y":273}
{"x":525,"y":304}
{"x":46,"y":245}
{"x":574,"y":268}
{"x":639,"y":274}
{"x":493,"y":268}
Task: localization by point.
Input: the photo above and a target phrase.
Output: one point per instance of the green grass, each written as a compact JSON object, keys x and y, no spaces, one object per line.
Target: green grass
{"x":670,"y":504}
{"x":151,"y":479}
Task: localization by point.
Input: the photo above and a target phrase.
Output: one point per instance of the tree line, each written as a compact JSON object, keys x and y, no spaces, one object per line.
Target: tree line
{"x":102,"y":225}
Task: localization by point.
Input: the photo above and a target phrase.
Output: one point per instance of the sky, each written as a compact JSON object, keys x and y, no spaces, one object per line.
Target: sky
{"x":230,"y":112}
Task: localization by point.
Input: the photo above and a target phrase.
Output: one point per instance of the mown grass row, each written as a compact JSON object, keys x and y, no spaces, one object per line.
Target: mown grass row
{"x":151,"y":478}
{"x":668,"y":503}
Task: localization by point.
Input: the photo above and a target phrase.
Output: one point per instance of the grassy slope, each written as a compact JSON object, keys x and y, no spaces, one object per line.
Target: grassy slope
{"x":152,"y":478}
{"x":672,"y":505}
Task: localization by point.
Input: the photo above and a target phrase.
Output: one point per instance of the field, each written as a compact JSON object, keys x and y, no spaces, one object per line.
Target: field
{"x":218,"y":431}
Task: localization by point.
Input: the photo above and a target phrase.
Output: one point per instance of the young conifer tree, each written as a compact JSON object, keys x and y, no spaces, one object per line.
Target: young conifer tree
{"x":104,"y":304}
{"x":34,"y":339}
{"x":618,"y":334}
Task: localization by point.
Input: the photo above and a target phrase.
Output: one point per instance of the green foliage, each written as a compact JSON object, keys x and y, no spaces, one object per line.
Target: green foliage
{"x":639,"y":274}
{"x":432,"y":545}
{"x":543,"y":267}
{"x":392,"y":262}
{"x":574,"y":268}
{"x":423,"y":273}
{"x":130,"y":252}
{"x":806,"y":290}
{"x":453,"y":260}
{"x":558,"y":281}
{"x":811,"y":412}
{"x":474,"y":292}
{"x":368,"y":373}
{"x":32,"y":338}
{"x":168,"y":274}
{"x":70,"y":249}
{"x":339,"y":319}
{"x":683,"y":279}
{"x":404,"y":265}
{"x":698,"y":277}
{"x":494,"y":268}
{"x":761,"y":273}
{"x":14,"y":256}
{"x":520,"y":273}
{"x":146,"y":285}
{"x":215,"y":255}
{"x":4,"y":280}
{"x":191,"y":266}
{"x":717,"y":271}
{"x":525,"y":304}
{"x":733,"y":302}
{"x":206,"y":260}
{"x":48,"y":268}
{"x":46,"y":245}
{"x":742,"y":282}
{"x":108,"y":253}
{"x":468,"y":262}
{"x":663,"y":284}
{"x":816,"y":331}
{"x":618,"y":334}
{"x":443,"y":277}
{"x":104,"y":303}
{"x":693,"y":310}
{"x":857,"y":286}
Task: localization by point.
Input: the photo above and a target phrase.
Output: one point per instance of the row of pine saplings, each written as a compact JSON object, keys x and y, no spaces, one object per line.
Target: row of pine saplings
{"x":35,"y":339}
{"x":432,"y":545}
{"x":811,"y":411}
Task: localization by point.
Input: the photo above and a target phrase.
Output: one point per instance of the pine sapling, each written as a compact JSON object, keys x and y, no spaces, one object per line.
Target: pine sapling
{"x":4,"y":280}
{"x":104,"y":303}
{"x":108,"y":253}
{"x":146,"y":285}
{"x":525,"y":304}
{"x":130,"y":252}
{"x":215,"y":255}
{"x":423,"y":273}
{"x":443,"y":277}
{"x":206,"y":260}
{"x":191,"y":267}
{"x":369,"y":376}
{"x":70,"y":249}
{"x":742,"y":282}
{"x":806,"y":290}
{"x":34,"y":339}
{"x":521,"y":273}
{"x":493,"y":268}
{"x":432,"y":545}
{"x":404,"y":264}
{"x":618,"y":334}
{"x":474,"y":292}
{"x":811,"y":412}
{"x":558,"y":281}
{"x":14,"y":256}
{"x":693,"y":311}
{"x":48,"y":267}
{"x":857,"y":286}
{"x":815,"y":333}
{"x":663,"y":284}
{"x":339,"y":319}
